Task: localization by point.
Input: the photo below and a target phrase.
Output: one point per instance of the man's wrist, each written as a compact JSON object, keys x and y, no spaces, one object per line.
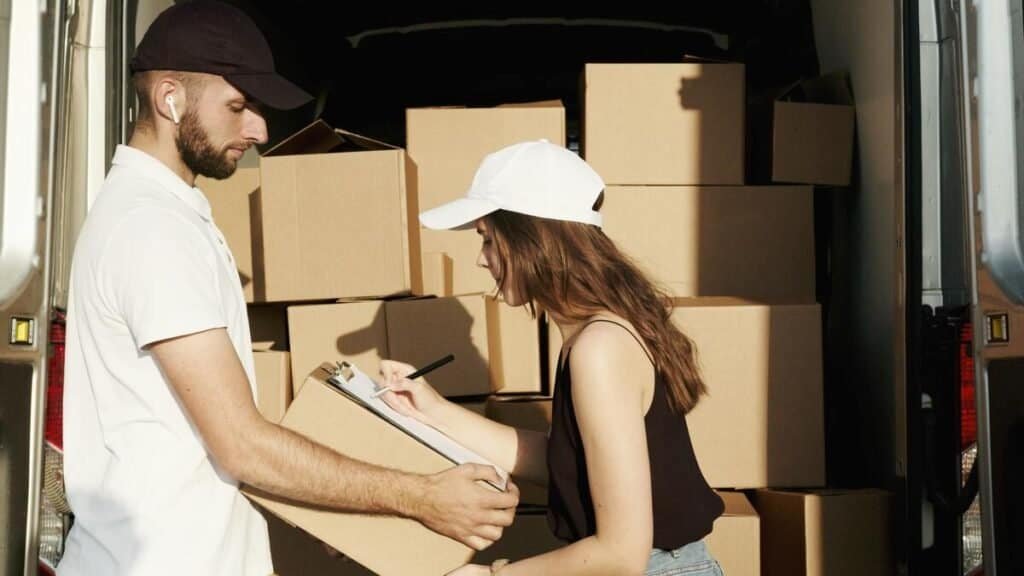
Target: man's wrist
{"x":411,"y":495}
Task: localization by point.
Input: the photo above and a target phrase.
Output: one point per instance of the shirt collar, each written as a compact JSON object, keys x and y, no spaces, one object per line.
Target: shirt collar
{"x":136,"y":159}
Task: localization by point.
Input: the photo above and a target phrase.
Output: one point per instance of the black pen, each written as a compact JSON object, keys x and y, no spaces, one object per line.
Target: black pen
{"x":421,"y":372}
{"x":431,"y":367}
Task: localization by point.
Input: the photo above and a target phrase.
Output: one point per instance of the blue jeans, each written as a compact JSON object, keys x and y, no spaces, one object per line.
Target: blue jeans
{"x":690,"y":560}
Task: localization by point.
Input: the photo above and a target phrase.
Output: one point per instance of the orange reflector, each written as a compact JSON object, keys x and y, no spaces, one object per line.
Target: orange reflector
{"x":23,"y":331}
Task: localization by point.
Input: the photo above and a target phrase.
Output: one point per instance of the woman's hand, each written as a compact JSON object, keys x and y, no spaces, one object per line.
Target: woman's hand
{"x":471,"y":570}
{"x":413,"y":398}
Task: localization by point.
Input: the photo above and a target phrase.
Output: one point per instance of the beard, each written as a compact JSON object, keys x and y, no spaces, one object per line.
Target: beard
{"x":201,"y":157}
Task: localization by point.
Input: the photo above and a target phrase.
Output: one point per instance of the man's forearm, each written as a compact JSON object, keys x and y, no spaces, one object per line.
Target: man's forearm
{"x":287,"y":464}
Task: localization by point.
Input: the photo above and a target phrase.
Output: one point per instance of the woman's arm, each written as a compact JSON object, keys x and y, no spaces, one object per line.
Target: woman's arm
{"x":521,"y":452}
{"x":608,"y":369}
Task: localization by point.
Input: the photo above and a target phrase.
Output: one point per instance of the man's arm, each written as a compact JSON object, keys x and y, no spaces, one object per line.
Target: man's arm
{"x":209,"y":379}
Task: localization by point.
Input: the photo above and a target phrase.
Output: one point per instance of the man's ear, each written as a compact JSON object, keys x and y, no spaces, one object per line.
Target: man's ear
{"x":169,"y":99}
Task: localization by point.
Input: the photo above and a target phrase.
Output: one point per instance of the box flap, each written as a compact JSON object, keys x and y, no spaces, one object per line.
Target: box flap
{"x":693,"y":59}
{"x":539,"y":104}
{"x":319,"y":138}
{"x":535,"y":104}
{"x":833,"y":88}
{"x":736,"y":504}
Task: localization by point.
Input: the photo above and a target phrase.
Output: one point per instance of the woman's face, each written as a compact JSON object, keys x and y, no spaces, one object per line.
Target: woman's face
{"x":491,"y":260}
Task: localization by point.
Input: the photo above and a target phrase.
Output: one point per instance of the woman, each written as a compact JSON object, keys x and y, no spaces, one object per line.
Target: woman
{"x":624,"y":486}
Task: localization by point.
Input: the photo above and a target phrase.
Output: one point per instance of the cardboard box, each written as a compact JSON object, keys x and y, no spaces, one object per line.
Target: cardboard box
{"x":232,"y":202}
{"x":296,"y":553}
{"x":762,"y":423}
{"x":328,"y":417}
{"x":496,"y":347}
{"x":735,"y":539}
{"x":421,"y":331}
{"x":352,"y":331}
{"x":825,"y":533}
{"x":530,"y":413}
{"x":514,"y":349}
{"x":665,"y":123}
{"x":273,"y":383}
{"x":437,"y":274}
{"x":812,"y":133}
{"x":335,"y":219}
{"x":751,"y":242}
{"x":529,"y":535}
{"x":446,"y":146}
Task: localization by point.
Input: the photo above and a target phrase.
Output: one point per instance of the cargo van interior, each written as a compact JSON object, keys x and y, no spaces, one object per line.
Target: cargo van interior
{"x":366,"y":67}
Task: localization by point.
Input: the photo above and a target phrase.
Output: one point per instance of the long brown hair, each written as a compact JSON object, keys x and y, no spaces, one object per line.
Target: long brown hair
{"x":575,"y":271}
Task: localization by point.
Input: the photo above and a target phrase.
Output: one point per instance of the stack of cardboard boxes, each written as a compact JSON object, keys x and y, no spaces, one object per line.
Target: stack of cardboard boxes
{"x":336,"y":267}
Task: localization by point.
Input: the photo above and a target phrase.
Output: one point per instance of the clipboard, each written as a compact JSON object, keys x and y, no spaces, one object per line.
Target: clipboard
{"x":352,"y":382}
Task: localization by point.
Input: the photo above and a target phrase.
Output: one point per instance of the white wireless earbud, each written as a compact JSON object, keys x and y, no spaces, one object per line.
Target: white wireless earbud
{"x":174,"y":111}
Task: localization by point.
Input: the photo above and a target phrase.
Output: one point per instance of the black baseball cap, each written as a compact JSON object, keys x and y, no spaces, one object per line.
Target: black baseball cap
{"x":217,"y":38}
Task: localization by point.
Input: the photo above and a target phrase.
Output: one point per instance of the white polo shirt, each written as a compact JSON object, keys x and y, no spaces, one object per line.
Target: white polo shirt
{"x":149,"y":264}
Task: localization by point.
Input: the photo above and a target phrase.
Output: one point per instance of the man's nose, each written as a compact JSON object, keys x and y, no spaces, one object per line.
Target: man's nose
{"x":254,"y":128}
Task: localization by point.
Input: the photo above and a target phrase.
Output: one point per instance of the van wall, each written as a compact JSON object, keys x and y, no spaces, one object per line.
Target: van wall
{"x":867,"y":392}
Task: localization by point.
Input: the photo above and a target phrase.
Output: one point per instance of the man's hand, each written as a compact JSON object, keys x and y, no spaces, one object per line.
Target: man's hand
{"x":457,"y":505}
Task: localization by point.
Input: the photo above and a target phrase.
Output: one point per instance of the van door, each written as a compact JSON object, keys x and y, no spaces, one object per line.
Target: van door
{"x":30,"y":42}
{"x":994,"y":79}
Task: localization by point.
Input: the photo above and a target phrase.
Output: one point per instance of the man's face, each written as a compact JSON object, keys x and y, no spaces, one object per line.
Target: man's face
{"x":218,"y":126}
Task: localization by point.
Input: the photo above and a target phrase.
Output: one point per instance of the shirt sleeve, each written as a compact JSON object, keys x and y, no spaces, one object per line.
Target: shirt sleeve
{"x":162,"y":272}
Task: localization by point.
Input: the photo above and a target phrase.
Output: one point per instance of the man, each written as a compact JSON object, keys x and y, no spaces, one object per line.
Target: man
{"x":159,"y":418}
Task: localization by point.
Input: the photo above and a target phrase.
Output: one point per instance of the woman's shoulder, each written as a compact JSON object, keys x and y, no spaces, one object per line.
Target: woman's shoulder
{"x":603,"y":331}
{"x":605,"y":341}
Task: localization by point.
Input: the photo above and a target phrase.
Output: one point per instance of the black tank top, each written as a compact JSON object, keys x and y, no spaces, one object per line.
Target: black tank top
{"x":684,"y":506}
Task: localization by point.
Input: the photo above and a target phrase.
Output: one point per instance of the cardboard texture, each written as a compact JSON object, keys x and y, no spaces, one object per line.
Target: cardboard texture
{"x":667,"y":124}
{"x":351,"y":331}
{"x":231,"y":202}
{"x":825,"y":532}
{"x":751,"y":242}
{"x":296,"y":553}
{"x":273,"y":383}
{"x":328,"y":417}
{"x":762,"y":423}
{"x":421,"y":331}
{"x":529,"y":535}
{"x":735,"y":539}
{"x":445,"y":146}
{"x":812,"y":132}
{"x":531,"y":413}
{"x":514,"y":349}
{"x":437,"y":274}
{"x":496,"y":347}
{"x":812,"y":143}
{"x":335,"y":219}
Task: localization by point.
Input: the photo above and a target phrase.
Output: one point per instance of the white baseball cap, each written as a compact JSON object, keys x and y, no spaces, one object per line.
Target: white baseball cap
{"x":536,"y":178}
